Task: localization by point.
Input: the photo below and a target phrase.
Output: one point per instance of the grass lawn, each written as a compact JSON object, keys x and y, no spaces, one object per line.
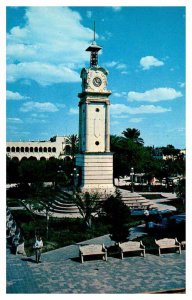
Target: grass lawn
{"x":62,"y":232}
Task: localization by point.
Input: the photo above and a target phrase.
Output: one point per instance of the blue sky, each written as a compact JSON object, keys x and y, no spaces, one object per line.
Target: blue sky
{"x":143,"y":50}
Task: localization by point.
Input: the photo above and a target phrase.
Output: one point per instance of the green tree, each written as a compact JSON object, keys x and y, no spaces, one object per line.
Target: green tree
{"x":39,"y":201}
{"x":117,"y":214}
{"x":73,"y":141}
{"x":12,"y":173}
{"x":181,"y":189}
{"x":89,"y":205}
{"x":170,"y":150}
{"x":133,"y":135}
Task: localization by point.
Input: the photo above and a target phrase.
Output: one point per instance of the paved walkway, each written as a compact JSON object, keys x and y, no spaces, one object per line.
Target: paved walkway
{"x":61,"y":272}
{"x":162,"y":203}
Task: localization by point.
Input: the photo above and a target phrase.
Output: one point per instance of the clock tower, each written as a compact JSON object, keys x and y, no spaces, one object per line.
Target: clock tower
{"x":94,"y":161}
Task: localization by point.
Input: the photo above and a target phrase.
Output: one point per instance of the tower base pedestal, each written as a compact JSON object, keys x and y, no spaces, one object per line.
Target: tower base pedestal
{"x":96,"y":172}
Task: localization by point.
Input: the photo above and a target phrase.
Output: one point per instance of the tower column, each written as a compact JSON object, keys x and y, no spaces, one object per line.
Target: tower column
{"x":107,"y":129}
{"x":87,"y":128}
{"x":80,"y":128}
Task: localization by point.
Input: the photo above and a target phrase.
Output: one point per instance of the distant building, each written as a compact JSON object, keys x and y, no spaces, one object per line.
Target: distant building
{"x":56,"y":147}
{"x":158,"y":154}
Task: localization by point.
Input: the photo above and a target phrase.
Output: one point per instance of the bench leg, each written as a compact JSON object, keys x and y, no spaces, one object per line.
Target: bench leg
{"x":159,"y":251}
{"x":121,"y":254}
{"x":144,"y":253}
{"x":105,"y":257}
{"x":81,"y":258}
{"x":180,"y":250}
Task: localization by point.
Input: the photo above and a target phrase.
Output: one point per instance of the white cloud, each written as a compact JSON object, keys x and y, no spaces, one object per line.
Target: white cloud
{"x":136,"y":120}
{"x":121,"y":66}
{"x":74,"y":111}
{"x":111,"y":64}
{"x":38,"y":107}
{"x":14,"y":120}
{"x":45,"y":40}
{"x":181,"y":84}
{"x":117,"y":65}
{"x":150,"y":61}
{"x":155,"y":95}
{"x":119,"y":95}
{"x":118,"y":109}
{"x":106,"y":36}
{"x":44,"y":74}
{"x":15,"y":96}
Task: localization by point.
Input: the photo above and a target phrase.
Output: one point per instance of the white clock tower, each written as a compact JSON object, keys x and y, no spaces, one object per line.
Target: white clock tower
{"x":94,"y":161}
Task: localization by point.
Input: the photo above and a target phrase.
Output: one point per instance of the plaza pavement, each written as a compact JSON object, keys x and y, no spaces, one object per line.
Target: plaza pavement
{"x":61,"y":272}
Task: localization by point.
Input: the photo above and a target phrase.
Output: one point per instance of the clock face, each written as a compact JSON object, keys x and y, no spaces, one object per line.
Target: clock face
{"x":97,"y":81}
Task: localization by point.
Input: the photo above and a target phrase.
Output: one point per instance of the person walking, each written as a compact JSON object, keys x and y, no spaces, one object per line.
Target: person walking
{"x":38,"y":248}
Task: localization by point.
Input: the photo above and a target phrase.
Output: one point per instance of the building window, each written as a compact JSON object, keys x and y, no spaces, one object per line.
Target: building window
{"x":40,"y":149}
{"x":49,"y":149}
{"x":36,"y":149}
{"x":26,"y":149}
{"x":24,"y":158}
{"x":42,"y":158}
{"x":53,"y":149}
{"x":45,"y":149}
{"x":31,"y":149}
{"x":51,"y":158}
{"x":32,"y":158}
{"x":8,"y":149}
{"x":22,"y":149}
{"x":17,"y":149}
{"x":97,"y":143}
{"x":97,"y":110}
{"x":13,"y":149}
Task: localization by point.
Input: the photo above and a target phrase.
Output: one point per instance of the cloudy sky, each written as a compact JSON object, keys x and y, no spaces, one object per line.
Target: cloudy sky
{"x":143,"y":50}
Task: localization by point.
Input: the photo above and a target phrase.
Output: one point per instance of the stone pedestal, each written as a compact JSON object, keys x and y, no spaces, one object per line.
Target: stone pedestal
{"x":96,"y":172}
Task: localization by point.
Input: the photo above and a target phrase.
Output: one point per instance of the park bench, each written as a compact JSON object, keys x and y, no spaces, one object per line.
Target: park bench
{"x":183,"y":244}
{"x":93,"y":249}
{"x":20,"y":249}
{"x":168,"y":243}
{"x":131,"y":247}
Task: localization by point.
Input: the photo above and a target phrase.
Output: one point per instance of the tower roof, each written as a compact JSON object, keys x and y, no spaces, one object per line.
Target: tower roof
{"x":94,"y":49}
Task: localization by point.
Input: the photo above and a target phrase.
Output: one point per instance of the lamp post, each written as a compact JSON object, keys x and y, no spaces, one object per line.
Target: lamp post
{"x":132,"y":174}
{"x":75,"y":178}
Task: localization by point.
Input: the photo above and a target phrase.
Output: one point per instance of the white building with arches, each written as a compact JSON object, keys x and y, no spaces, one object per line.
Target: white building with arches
{"x":56,"y":147}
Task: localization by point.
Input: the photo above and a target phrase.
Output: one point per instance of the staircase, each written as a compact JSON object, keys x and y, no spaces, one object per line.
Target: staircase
{"x":63,"y":206}
{"x":134,"y":200}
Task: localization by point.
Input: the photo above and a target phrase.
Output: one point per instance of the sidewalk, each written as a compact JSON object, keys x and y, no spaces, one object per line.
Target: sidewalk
{"x":159,"y":203}
{"x":61,"y":272}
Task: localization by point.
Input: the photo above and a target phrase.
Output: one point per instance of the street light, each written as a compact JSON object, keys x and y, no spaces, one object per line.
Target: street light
{"x":75,"y":176}
{"x":132,"y":174}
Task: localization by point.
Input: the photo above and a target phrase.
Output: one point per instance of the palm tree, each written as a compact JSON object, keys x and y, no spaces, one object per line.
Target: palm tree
{"x":73,"y":142}
{"x":88,"y":204}
{"x":115,"y":143}
{"x":132,"y":134}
